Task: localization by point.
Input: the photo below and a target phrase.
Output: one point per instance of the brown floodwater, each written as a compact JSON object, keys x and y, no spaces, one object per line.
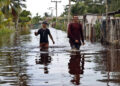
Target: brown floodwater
{"x":23,"y":64}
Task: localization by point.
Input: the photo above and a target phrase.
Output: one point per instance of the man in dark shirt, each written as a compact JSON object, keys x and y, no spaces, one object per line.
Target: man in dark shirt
{"x":44,"y":32}
{"x":75,"y":33}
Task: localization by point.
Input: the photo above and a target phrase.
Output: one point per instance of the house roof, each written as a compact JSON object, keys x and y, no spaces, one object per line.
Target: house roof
{"x":114,"y":12}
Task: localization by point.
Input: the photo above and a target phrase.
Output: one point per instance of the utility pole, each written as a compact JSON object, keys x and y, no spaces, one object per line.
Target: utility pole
{"x":69,"y":10}
{"x":106,"y":19}
{"x":56,"y":5}
{"x":108,"y":74}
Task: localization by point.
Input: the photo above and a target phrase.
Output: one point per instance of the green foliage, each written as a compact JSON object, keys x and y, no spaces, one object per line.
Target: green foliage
{"x":10,"y":11}
{"x":1,"y":20}
{"x":25,"y":31}
{"x":61,"y":25}
{"x":65,"y":11}
{"x":117,"y":15}
{"x":78,"y":9}
{"x":76,"y":0}
{"x":81,"y":7}
{"x":54,"y":19}
{"x":13,"y":8}
{"x":58,"y":26}
{"x":97,"y":29}
{"x":96,"y":9}
{"x":36,"y":19}
{"x":5,"y":31}
{"x":46,"y":14}
{"x":3,"y":3}
{"x":25,"y":17}
{"x":73,"y":0}
{"x":114,"y":5}
{"x":25,"y":13}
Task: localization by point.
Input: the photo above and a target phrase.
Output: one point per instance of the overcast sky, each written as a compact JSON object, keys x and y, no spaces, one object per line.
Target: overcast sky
{"x":41,"y":6}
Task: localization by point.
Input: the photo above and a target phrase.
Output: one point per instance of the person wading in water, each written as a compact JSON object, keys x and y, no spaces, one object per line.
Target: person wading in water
{"x":75,"y":33}
{"x":44,"y":32}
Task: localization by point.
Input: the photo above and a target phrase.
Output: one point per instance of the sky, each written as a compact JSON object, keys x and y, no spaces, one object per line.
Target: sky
{"x":41,"y":6}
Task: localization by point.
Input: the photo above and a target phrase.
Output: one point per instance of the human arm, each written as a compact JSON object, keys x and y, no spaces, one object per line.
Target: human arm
{"x":37,"y":33}
{"x":81,"y":32}
{"x":69,"y":32}
{"x":52,"y":38}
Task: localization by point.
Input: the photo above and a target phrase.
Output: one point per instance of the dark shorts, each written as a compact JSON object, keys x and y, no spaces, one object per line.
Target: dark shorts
{"x":74,"y":45}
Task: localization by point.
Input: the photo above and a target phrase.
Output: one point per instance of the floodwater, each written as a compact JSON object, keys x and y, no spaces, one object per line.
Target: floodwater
{"x":23,"y":64}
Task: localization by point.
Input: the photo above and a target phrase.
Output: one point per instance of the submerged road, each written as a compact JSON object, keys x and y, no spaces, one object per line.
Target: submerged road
{"x":23,"y":64}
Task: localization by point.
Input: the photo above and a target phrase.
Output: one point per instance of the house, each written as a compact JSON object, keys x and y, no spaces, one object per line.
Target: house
{"x":88,"y":23}
{"x":112,"y":33}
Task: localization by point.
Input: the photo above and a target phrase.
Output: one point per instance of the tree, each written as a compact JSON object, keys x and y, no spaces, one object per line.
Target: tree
{"x":78,"y":9}
{"x":36,"y":19}
{"x":14,"y":8}
{"x":46,"y":14}
{"x":114,"y":5}
{"x":65,"y":11}
{"x":77,"y":0}
{"x":24,"y":17}
{"x":89,"y":6}
{"x":2,"y":17}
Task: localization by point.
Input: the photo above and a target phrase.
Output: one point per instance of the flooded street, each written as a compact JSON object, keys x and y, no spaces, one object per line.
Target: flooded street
{"x":23,"y":64}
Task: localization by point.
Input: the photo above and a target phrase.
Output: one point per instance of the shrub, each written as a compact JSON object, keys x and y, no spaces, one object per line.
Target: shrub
{"x":97,"y":28}
{"x":4,"y":31}
{"x":61,"y":25}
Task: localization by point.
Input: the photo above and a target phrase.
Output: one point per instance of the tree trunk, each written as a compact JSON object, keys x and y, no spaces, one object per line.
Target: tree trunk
{"x":16,"y":23}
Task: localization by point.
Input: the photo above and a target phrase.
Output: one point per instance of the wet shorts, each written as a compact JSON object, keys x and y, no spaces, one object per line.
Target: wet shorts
{"x":44,"y":45}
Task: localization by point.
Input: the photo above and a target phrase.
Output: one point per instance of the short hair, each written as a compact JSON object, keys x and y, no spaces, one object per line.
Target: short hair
{"x":45,"y":22}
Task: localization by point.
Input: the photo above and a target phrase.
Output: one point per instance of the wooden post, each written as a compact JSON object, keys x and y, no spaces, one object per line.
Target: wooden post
{"x":106,"y":20}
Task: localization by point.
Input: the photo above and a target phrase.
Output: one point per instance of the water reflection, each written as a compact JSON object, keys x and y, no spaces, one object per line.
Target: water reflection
{"x":18,"y":65}
{"x":6,"y":40}
{"x":76,"y":67}
{"x":109,"y":65}
{"x":12,"y":61}
{"x":44,"y":59}
{"x":12,"y":68}
{"x":113,"y":66}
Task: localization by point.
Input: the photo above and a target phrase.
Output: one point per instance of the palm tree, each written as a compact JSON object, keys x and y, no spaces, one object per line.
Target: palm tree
{"x":2,"y":4}
{"x":14,"y":8}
